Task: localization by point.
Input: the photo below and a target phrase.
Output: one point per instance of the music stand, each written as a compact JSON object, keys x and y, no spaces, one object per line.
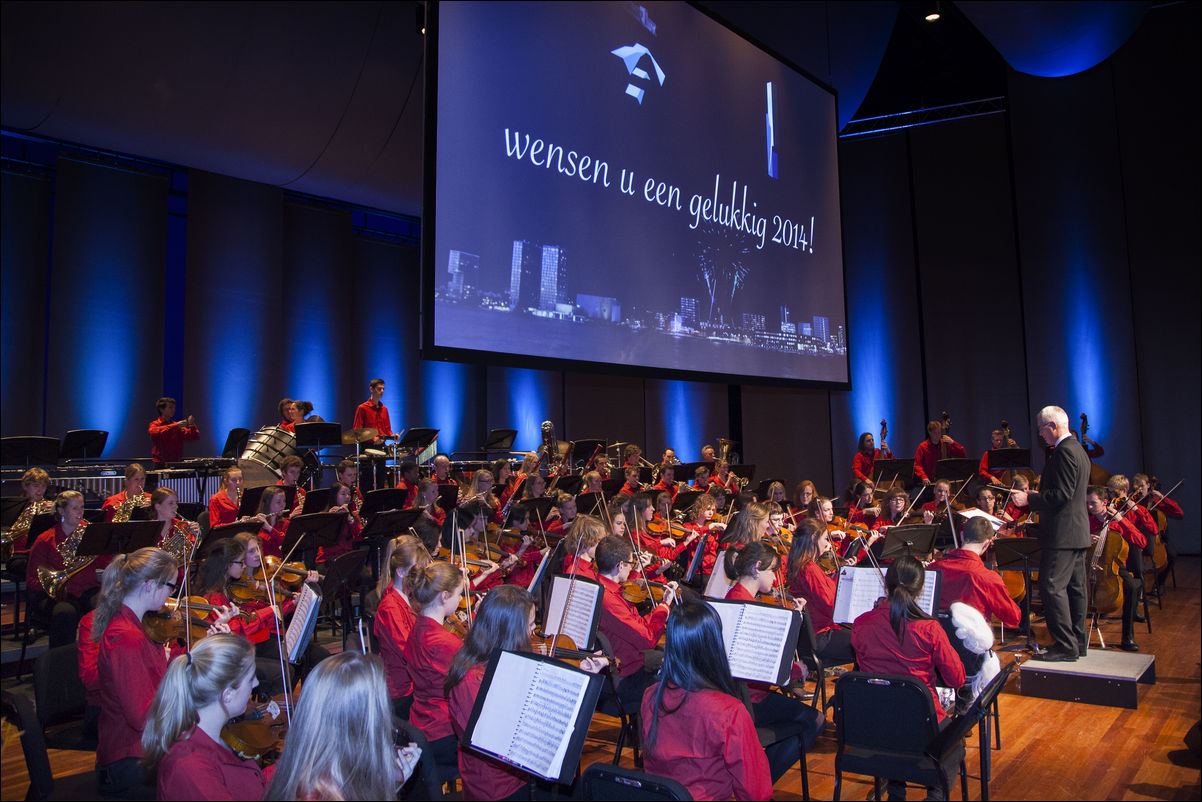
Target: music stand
{"x":588,"y":504}
{"x":415,"y":440}
{"x":39,"y":524}
{"x":499,"y":440}
{"x":761,"y":490}
{"x":249,"y":503}
{"x":1020,"y":553}
{"x":538,"y":507}
{"x":910,"y":539}
{"x":448,"y":497}
{"x":1007,"y":459}
{"x":383,"y":526}
{"x":688,"y":470}
{"x":317,"y":500}
{"x":583,"y":450}
{"x":611,"y":487}
{"x":695,"y":563}
{"x":903,"y":469}
{"x":646,"y":475}
{"x":216,"y":533}
{"x":957,"y":469}
{"x":684,"y":500}
{"x":386,"y":498}
{"x":83,"y":444}
{"x":570,"y":484}
{"x":11,"y":508}
{"x":744,"y":471}
{"x":307,"y":532}
{"x":120,"y":538}
{"x":235,"y":443}
{"x":29,"y":451}
{"x":318,"y":434}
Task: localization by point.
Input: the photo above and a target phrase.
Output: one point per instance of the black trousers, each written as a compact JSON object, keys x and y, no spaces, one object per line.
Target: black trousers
{"x":1062,"y":586}
{"x":776,"y":708}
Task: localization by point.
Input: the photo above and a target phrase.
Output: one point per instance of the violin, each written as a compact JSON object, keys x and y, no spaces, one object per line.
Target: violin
{"x":163,"y":626}
{"x":563,"y":648}
{"x":290,"y":577}
{"x":258,"y":733}
{"x":662,"y":529}
{"x":508,"y":538}
{"x":637,"y":592}
{"x":828,"y":562}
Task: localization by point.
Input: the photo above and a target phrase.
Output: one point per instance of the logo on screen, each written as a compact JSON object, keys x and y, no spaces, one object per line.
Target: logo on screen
{"x":631,"y":55}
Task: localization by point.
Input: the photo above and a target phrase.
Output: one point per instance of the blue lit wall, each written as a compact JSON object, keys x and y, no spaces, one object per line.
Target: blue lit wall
{"x":106,"y":310}
{"x":389,"y":347}
{"x":447,"y":405}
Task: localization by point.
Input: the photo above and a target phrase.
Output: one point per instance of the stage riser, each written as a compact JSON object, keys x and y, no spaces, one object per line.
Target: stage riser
{"x":1065,"y":685}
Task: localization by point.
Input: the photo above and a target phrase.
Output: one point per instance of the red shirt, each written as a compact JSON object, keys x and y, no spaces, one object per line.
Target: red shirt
{"x":298,"y":501}
{"x":256,"y":627}
{"x":707,"y":743}
{"x":428,"y":653}
{"x":629,"y":633}
{"x":862,"y":464}
{"x":483,"y":777}
{"x":818,"y":590}
{"x":287,"y":425}
{"x":372,"y":416}
{"x":222,"y":510}
{"x":925,"y":649}
{"x":670,"y":489}
{"x":113,"y":502}
{"x":1124,"y":527}
{"x":197,"y":767}
{"x":585,"y":569}
{"x":89,"y":651}
{"x":44,"y":553}
{"x":167,"y":440}
{"x":130,"y":670}
{"x":630,"y":489}
{"x":410,"y":493}
{"x":1170,"y":508}
{"x":966,"y":579}
{"x":984,"y":472}
{"x":350,"y":535}
{"x":393,"y":626}
{"x":927,"y":455}
{"x":271,"y":538}
{"x":1143,"y":521}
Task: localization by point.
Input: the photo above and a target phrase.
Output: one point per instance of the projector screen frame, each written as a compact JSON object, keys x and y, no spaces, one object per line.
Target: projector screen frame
{"x":483,"y":356}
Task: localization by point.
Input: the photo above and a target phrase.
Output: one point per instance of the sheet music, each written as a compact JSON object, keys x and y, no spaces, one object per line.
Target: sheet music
{"x":296,"y":639}
{"x":579,"y":625}
{"x":859,"y":587}
{"x":529,"y":719}
{"x":994,"y":521}
{"x":755,"y":638}
{"x":542,"y":567}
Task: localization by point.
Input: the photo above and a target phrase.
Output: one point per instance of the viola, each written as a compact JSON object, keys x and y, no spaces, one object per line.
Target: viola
{"x":672,"y":529}
{"x":258,"y":733}
{"x":828,"y":562}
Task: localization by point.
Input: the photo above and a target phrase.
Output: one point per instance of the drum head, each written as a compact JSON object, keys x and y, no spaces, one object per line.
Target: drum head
{"x":255,"y":474}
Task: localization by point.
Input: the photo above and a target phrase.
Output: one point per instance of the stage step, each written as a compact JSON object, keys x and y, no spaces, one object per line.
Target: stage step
{"x":1103,"y":677}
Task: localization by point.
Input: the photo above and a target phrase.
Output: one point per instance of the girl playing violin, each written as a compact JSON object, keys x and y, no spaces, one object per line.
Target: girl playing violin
{"x":562,"y":514}
{"x":427,"y":499}
{"x":200,"y":692}
{"x":747,"y":526}
{"x":808,"y":581}
{"x":661,"y":542}
{"x":580,"y":545}
{"x":865,"y":510}
{"x":473,"y":517}
{"x":342,"y":744}
{"x":504,"y":620}
{"x":896,"y":503}
{"x":697,"y":728}
{"x":405,"y":557}
{"x":436,"y":592}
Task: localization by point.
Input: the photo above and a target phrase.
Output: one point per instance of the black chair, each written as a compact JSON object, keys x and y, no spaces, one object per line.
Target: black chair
{"x":202,"y":520}
{"x":886,"y":727}
{"x":336,"y":587}
{"x":602,"y":781}
{"x":983,"y":708}
{"x":424,"y":784}
{"x":60,"y":697}
{"x":778,"y":732}
{"x":18,"y":710}
{"x":610,"y":703}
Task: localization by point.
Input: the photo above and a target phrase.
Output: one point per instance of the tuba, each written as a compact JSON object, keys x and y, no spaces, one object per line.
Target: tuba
{"x":54,"y":582}
{"x":549,"y":450}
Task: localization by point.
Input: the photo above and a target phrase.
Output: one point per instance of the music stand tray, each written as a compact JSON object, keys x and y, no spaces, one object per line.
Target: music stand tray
{"x":688,"y":470}
{"x":11,"y":508}
{"x":538,"y":507}
{"x":499,"y":440}
{"x":388,"y":524}
{"x":584,"y":449}
{"x":118,"y":538}
{"x":611,"y":487}
{"x":1017,"y":553}
{"x":317,"y":500}
{"x":589,"y":504}
{"x":235,"y":443}
{"x":385,"y":498}
{"x":761,"y":490}
{"x":1006,"y":459}
{"x":249,"y":503}
{"x":321,"y":528}
{"x":83,"y":444}
{"x":227,"y":530}
{"x":570,"y":484}
{"x":903,"y":469}
{"x":956,"y":469}
{"x":684,"y":499}
{"x":416,"y":439}
{"x":318,"y":435}
{"x":744,"y":471}
{"x":29,"y":451}
{"x":909,"y":539}
{"x":448,"y":497}
{"x":646,"y":475}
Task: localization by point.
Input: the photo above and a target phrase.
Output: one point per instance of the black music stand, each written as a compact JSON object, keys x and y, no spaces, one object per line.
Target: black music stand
{"x":499,"y":440}
{"x":611,"y":487}
{"x":646,"y":475}
{"x":910,"y":539}
{"x":307,"y":532}
{"x":386,"y":525}
{"x":29,"y":451}
{"x":448,"y":497}
{"x":761,"y":490}
{"x":317,"y":500}
{"x":235,"y":443}
{"x":1008,"y":459}
{"x":141,"y":513}
{"x":83,"y":444}
{"x":39,"y":524}
{"x":684,"y":500}
{"x":589,"y":504}
{"x":744,"y":471}
{"x":11,"y":508}
{"x":695,"y":563}
{"x":1019,"y":553}
{"x":956,"y":469}
{"x":902,"y":469}
{"x":538,"y":508}
{"x":216,"y":533}
{"x":688,"y":470}
{"x":318,"y":435}
{"x":249,"y":503}
{"x":118,"y":538}
{"x":386,"y":498}
{"x":569,"y":484}
{"x":416,"y":440}
{"x":583,"y":451}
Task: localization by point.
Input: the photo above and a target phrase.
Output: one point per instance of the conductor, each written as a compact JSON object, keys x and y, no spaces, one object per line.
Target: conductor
{"x":1065,"y":537}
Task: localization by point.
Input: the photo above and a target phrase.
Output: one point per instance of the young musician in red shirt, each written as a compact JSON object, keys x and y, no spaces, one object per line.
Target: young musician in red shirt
{"x":866,"y":510}
{"x":405,"y":556}
{"x":120,"y":506}
{"x":987,"y":474}
{"x":667,"y":481}
{"x":436,"y":592}
{"x":967,"y":580}
{"x":696,"y":725}
{"x":340,"y":502}
{"x":290,"y":470}
{"x":504,"y":620}
{"x":275,"y":522}
{"x":34,"y":483}
{"x":629,"y":633}
{"x":167,"y":435}
{"x":808,"y":581}
{"x":632,"y":486}
{"x":289,"y":415}
{"x":930,"y":451}
{"x":200,"y":692}
{"x":408,"y":483}
{"x":580,"y":546}
{"x":77,"y":595}
{"x":863,"y":463}
{"x":223,"y":505}
{"x":1097,"y":503}
{"x":372,"y":414}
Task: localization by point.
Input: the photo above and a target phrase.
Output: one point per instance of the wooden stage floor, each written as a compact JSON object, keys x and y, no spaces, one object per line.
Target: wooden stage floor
{"x":1050,"y":749}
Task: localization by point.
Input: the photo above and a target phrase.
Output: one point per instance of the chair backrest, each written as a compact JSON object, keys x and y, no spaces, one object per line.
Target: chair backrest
{"x":424,"y":784}
{"x":18,"y":710}
{"x":884,"y":711}
{"x":807,"y":641}
{"x":202,"y":520}
{"x":605,"y":781}
{"x":58,"y":692}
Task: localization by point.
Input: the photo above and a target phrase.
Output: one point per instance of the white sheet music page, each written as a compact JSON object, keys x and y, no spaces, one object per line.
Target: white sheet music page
{"x":856,"y":593}
{"x":529,"y":717}
{"x":304,"y":609}
{"x":579,"y":623}
{"x":755,"y":639}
